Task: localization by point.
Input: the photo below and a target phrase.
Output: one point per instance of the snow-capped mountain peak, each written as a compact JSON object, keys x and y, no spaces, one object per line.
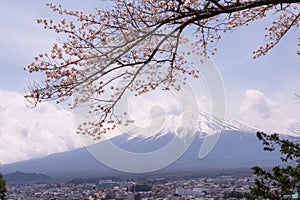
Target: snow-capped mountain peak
{"x":204,"y":124}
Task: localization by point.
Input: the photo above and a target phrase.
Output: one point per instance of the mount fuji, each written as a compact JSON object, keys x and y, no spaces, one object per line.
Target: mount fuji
{"x":236,"y":148}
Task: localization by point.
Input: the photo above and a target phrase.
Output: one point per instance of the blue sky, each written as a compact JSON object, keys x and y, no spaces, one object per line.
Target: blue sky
{"x":258,"y":92}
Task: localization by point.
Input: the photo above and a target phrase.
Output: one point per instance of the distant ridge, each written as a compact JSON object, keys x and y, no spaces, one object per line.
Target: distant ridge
{"x":22,"y":177}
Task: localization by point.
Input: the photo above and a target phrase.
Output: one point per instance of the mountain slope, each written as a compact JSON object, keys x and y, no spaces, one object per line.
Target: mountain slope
{"x":234,"y":149}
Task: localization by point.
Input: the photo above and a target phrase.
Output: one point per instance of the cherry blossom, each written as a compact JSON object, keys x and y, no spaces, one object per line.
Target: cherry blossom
{"x":137,"y":42}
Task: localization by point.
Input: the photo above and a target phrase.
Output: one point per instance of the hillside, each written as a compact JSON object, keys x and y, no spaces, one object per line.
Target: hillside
{"x":22,"y":177}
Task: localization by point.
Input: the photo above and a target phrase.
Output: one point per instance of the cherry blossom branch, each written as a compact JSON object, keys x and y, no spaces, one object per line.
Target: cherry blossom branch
{"x":138,"y":43}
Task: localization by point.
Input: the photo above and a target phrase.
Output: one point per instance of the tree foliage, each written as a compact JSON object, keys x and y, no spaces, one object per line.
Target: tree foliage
{"x":233,"y":194}
{"x":2,"y":188}
{"x":281,"y":180}
{"x":137,"y":43}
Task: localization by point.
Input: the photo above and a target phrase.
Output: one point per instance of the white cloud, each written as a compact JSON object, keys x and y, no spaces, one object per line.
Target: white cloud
{"x":267,"y":114}
{"x":27,"y":133}
{"x":257,"y":104}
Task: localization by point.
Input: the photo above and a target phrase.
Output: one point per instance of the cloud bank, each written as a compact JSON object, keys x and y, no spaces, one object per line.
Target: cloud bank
{"x":27,"y":133}
{"x":267,"y":114}
{"x":257,"y":105}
